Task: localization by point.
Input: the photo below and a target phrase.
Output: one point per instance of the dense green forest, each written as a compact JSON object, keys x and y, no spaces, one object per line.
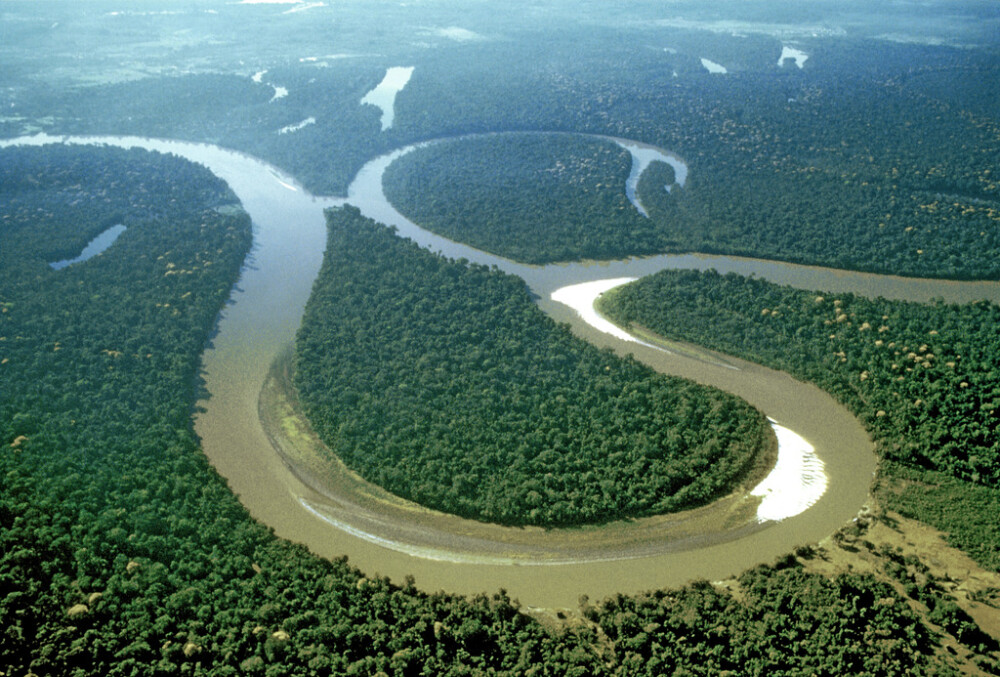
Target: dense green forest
{"x":445,"y":384}
{"x":779,"y":167}
{"x":701,"y":631}
{"x":124,"y":553}
{"x":535,"y":198}
{"x":924,"y":378}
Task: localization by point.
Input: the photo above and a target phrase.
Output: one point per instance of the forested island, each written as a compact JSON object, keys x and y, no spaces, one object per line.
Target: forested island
{"x":445,"y":384}
{"x":121,"y":550}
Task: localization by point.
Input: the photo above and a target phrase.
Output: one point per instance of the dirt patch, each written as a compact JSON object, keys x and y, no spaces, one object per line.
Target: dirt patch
{"x":918,"y":562}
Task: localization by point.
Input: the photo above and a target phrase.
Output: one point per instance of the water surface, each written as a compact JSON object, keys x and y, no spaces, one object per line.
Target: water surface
{"x":713,"y":67}
{"x":796,"y":55}
{"x":266,"y":309}
{"x":384,"y":94}
{"x":96,"y":246}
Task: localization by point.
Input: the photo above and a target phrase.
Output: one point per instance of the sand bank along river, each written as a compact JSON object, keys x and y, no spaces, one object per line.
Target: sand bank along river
{"x":540,"y":568}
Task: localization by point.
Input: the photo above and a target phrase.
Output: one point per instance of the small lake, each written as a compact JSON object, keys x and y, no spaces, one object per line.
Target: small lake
{"x":713,"y":67}
{"x":93,"y":248}
{"x":796,"y":55}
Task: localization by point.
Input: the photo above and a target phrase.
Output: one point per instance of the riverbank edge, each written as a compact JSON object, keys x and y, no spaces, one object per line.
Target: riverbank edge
{"x":311,"y":462}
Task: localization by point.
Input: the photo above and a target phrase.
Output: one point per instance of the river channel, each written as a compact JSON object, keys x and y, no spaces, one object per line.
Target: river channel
{"x":264,"y":313}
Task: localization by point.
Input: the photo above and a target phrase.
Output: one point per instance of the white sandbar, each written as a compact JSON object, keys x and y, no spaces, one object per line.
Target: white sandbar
{"x":798,"y":478}
{"x":581,"y":297}
{"x":797,"y":481}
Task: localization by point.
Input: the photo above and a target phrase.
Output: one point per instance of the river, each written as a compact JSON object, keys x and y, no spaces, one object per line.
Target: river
{"x":265,"y":311}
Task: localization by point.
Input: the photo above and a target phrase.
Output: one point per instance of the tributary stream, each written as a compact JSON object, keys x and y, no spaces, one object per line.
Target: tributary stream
{"x":540,"y":568}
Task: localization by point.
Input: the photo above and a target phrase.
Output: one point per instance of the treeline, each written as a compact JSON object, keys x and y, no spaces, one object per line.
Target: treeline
{"x":122,"y":552}
{"x":445,"y":384}
{"x":55,"y":201}
{"x":535,"y":198}
{"x":843,"y":164}
{"x":924,"y":378}
{"x":235,"y":112}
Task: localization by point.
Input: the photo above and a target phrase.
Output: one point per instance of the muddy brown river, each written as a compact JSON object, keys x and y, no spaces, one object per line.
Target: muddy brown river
{"x":561,"y":565}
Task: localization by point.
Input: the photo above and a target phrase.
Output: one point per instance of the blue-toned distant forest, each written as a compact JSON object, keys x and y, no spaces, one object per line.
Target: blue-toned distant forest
{"x":875,"y":155}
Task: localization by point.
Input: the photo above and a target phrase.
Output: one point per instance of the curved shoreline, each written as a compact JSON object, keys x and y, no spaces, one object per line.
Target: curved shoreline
{"x":265,"y":310}
{"x":798,"y":478}
{"x":641,"y":154}
{"x":379,"y":517}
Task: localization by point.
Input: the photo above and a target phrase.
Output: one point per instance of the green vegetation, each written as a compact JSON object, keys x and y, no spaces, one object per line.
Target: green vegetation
{"x":445,"y":384}
{"x":535,"y":198}
{"x":783,"y":616}
{"x":122,"y":552}
{"x":236,"y":112}
{"x":963,"y":510}
{"x":656,"y":184}
{"x":877,"y":156}
{"x":922,"y":377}
{"x":779,"y":166}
